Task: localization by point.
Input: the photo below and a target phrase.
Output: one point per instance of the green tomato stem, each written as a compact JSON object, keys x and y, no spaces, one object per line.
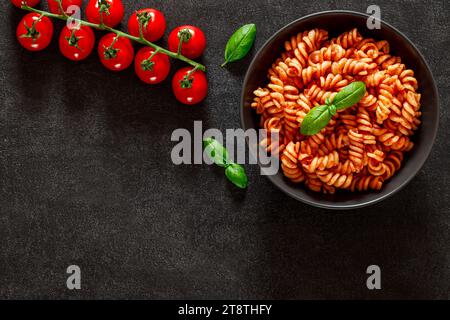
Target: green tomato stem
{"x":186,"y":83}
{"x":183,"y":36}
{"x":61,"y":7}
{"x":153,"y":54}
{"x":119,"y":33}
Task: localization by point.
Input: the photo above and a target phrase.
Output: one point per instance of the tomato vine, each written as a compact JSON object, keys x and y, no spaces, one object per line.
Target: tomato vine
{"x":140,"y":39}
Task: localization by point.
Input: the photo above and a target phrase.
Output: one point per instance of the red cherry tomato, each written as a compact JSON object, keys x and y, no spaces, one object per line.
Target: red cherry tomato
{"x":154,"y":24}
{"x":111,"y":11}
{"x":35,"y":32}
{"x":194,"y":41}
{"x":30,"y":3}
{"x":76,"y":44}
{"x":116,"y":53}
{"x":151,"y":71}
{"x":189,"y":89}
{"x":53,"y":5}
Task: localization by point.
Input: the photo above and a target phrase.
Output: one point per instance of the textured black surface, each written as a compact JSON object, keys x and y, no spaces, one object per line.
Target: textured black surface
{"x":86,"y":178}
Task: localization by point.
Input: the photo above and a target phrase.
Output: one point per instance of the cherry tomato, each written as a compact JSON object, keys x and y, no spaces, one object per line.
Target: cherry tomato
{"x":53,"y":5}
{"x":189,"y":89}
{"x":30,"y":3}
{"x":194,"y":41}
{"x":76,"y":44}
{"x":151,"y":71}
{"x":35,"y":32}
{"x":111,"y":11}
{"x":116,"y":53}
{"x":154,"y":24}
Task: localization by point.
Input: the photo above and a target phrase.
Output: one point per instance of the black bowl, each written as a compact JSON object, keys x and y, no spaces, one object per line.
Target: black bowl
{"x":337,"y":22}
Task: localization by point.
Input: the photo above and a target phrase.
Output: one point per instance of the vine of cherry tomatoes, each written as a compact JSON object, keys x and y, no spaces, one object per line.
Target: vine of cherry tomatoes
{"x":116,"y":53}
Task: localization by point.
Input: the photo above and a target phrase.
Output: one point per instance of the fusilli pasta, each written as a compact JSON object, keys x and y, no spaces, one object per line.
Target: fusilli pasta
{"x":362,"y":146}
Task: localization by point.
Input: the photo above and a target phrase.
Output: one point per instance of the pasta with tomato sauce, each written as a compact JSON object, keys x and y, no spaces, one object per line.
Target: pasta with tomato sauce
{"x":361,"y":147}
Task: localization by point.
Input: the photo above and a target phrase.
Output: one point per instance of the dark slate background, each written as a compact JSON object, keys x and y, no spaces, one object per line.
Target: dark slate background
{"x":86,"y":179}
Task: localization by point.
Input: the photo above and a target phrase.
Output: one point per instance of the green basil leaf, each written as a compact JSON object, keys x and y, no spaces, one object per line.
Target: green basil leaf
{"x":236,"y":174}
{"x":315,"y":120}
{"x":240,"y":43}
{"x":332,"y":108}
{"x":320,"y":116}
{"x":350,"y":95}
{"x":216,"y":152}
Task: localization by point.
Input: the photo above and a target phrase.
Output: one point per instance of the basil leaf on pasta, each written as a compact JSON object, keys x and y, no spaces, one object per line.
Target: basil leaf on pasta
{"x":216,"y":152}
{"x":318,"y":117}
{"x":316,"y":120}
{"x":350,"y":95}
{"x":240,"y":43}
{"x":236,"y":174}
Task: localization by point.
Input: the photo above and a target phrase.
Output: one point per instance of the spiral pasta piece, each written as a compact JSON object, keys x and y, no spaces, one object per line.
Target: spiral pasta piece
{"x":320,"y":163}
{"x":367,"y":182}
{"x":348,"y":39}
{"x":341,"y":181}
{"x":352,"y":67}
{"x":289,"y":163}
